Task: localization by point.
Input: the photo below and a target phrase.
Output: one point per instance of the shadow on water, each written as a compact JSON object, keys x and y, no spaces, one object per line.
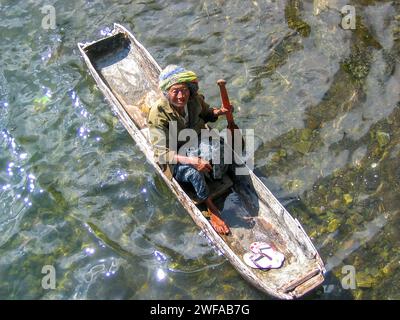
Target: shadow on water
{"x":332,"y":287}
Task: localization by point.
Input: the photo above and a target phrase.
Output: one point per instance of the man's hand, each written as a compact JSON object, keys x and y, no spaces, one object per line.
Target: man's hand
{"x":198,"y":163}
{"x":201,"y":165}
{"x":221,"y":111}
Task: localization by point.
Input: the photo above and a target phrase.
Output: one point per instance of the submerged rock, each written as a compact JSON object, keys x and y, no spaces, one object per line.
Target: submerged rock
{"x":279,"y":155}
{"x":333,"y":225}
{"x":319,"y":210}
{"x":40,"y":104}
{"x":305,"y":134}
{"x":245,"y":95}
{"x":239,"y":82}
{"x":320,"y":5}
{"x":294,"y":21}
{"x":347,"y":199}
{"x":383,"y":138}
{"x":302,"y":146}
{"x":335,"y":204}
{"x":364,"y":280}
{"x":294,"y":185}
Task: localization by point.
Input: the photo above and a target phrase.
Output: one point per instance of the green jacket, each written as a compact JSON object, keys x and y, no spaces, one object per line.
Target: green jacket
{"x":162,"y":113}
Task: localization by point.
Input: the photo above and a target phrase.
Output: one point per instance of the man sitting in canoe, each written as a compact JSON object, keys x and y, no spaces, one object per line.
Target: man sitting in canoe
{"x":185,"y":108}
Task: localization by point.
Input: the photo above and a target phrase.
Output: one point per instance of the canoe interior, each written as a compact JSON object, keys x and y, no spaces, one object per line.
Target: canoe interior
{"x":129,"y":74}
{"x":250,"y":210}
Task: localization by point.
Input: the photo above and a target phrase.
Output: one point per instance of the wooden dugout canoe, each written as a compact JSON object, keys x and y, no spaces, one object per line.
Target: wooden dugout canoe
{"x":127,"y":75}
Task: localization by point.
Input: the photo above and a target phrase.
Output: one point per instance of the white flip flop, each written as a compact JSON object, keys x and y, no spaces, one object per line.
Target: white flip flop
{"x":265,"y":249}
{"x":259,"y":261}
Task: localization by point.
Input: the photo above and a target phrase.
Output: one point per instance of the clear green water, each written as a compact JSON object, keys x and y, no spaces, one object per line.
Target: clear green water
{"x":76,"y":193}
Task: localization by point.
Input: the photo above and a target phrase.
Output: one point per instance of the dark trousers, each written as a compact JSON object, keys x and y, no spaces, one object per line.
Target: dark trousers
{"x":207,"y":149}
{"x":188,"y":174}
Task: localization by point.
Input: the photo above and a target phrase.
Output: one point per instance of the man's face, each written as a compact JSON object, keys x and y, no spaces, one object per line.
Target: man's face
{"x":179,"y":95}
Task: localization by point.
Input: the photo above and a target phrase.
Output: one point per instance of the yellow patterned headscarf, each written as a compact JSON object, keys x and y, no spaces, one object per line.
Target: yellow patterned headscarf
{"x":173,"y":74}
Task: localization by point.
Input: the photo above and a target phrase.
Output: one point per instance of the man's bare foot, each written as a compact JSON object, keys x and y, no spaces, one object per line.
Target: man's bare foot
{"x":218,"y":224}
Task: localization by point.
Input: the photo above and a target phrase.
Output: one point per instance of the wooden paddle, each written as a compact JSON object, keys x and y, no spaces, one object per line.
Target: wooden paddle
{"x":229,"y":115}
{"x":227,"y":105}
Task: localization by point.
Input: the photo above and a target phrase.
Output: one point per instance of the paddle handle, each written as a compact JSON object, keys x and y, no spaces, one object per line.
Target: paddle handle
{"x":225,"y":100}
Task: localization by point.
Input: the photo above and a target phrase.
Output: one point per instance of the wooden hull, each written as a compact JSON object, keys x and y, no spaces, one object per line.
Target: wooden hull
{"x":128,"y":76}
